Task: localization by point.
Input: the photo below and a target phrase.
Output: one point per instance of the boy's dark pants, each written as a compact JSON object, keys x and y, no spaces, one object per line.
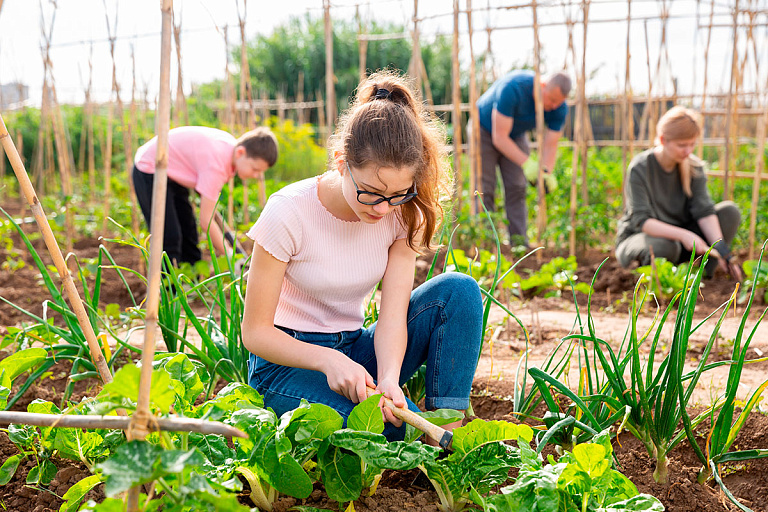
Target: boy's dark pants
{"x":180,"y":237}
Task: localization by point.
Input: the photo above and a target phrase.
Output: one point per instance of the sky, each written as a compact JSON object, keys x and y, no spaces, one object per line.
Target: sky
{"x":82,"y":24}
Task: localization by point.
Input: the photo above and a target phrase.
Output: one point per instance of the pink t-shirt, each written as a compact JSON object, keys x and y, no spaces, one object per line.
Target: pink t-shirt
{"x":333,"y":265}
{"x":198,"y":158}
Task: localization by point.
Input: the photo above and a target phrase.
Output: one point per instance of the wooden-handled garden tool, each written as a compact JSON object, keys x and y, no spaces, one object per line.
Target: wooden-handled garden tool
{"x":229,"y":234}
{"x":439,"y":434}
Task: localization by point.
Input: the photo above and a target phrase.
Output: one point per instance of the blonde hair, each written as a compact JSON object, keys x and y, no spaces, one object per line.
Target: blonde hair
{"x":387,"y":126}
{"x":681,"y":123}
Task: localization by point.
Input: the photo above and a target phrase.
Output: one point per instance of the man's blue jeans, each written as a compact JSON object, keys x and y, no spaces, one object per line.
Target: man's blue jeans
{"x":445,"y":318}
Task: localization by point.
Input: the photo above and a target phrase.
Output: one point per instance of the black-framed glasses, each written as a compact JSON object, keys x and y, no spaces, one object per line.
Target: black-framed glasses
{"x":372,"y":198}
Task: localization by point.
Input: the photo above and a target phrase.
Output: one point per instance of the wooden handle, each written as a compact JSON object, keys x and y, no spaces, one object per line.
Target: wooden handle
{"x":439,"y":434}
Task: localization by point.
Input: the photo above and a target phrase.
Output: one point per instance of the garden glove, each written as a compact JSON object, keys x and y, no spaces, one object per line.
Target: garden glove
{"x":531,"y":171}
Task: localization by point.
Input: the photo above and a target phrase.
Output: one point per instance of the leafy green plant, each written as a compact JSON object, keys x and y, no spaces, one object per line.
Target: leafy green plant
{"x":755,"y":278}
{"x":582,"y":480}
{"x":664,"y":277}
{"x":553,"y":277}
{"x":479,"y":461}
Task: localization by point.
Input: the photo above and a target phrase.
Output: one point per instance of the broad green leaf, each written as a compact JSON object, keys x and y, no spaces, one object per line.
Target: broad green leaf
{"x":479,"y":432}
{"x":214,"y":447}
{"x":9,"y":467}
{"x":639,"y":503}
{"x":275,"y":466}
{"x":592,"y":458}
{"x":108,"y":505}
{"x":43,"y":473}
{"x":315,"y":423}
{"x":126,"y":385}
{"x":242,"y":391}
{"x":306,"y":508}
{"x":341,"y":473}
{"x":75,"y":494}
{"x":180,"y":368}
{"x":76,"y":444}
{"x":138,"y":462}
{"x":366,"y":416}
{"x":39,"y":406}
{"x":445,"y":482}
{"x":21,"y":435}
{"x":534,"y":491}
{"x":21,"y":361}
{"x":376,"y":451}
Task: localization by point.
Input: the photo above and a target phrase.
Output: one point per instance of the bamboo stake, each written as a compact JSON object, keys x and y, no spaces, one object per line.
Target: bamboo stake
{"x":92,"y":421}
{"x":586,"y":123}
{"x":456,"y":118}
{"x":38,"y":156}
{"x":62,"y":149}
{"x":474,"y":142}
{"x":362,"y":46}
{"x":181,"y":102}
{"x":321,"y":115}
{"x":229,"y":116}
{"x":301,"y":117}
{"x":729,"y":132}
{"x":577,"y":134}
{"x":112,"y":36}
{"x":700,"y":151}
{"x":70,"y":291}
{"x":414,"y":67}
{"x":330,"y":92}
{"x":629,"y":118}
{"x":541,"y":216}
{"x":139,"y":425}
{"x":243,"y":62}
{"x":64,"y":159}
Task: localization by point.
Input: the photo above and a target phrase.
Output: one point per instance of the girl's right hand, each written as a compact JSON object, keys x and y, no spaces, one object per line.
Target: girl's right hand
{"x":348,"y":378}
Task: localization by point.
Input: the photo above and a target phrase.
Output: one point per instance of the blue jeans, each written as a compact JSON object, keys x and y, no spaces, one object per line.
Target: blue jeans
{"x":445,"y":317}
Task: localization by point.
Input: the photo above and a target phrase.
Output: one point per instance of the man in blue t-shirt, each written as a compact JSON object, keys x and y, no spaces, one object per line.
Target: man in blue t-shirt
{"x":507,"y":111}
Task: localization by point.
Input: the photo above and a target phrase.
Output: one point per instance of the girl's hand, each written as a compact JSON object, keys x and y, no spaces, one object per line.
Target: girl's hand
{"x":690,"y":238}
{"x":348,"y":378}
{"x":391,"y":390}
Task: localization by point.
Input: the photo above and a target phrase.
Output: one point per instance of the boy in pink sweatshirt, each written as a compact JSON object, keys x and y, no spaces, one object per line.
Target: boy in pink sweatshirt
{"x":202,"y":159}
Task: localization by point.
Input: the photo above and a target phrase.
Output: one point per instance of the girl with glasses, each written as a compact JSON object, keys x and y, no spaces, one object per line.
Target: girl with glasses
{"x":323,"y":244}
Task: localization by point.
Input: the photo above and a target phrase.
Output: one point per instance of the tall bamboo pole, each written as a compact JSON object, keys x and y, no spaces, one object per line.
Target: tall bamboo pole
{"x":330,"y":91}
{"x":138,"y":429}
{"x":629,"y":118}
{"x":762,"y":124}
{"x":110,"y":121}
{"x":91,"y":136}
{"x":182,"y":114}
{"x":456,"y":96}
{"x":68,"y":284}
{"x":474,"y":141}
{"x":700,"y":150}
{"x":586,"y":124}
{"x":243,"y":64}
{"x":577,"y":130}
{"x":541,"y":217}
{"x":414,"y":67}
{"x":362,"y":45}
{"x":301,"y":117}
{"x":230,"y":114}
{"x":732,"y":103}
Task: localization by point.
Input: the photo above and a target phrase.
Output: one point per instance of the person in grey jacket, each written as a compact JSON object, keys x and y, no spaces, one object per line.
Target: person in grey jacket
{"x":667,"y":207}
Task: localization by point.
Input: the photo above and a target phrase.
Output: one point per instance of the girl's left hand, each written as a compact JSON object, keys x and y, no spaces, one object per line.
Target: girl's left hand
{"x":391,"y":390}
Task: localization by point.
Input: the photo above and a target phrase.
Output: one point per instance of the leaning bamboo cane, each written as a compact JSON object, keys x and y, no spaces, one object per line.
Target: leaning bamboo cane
{"x":330,"y":91}
{"x":172,"y":424}
{"x":53,"y":248}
